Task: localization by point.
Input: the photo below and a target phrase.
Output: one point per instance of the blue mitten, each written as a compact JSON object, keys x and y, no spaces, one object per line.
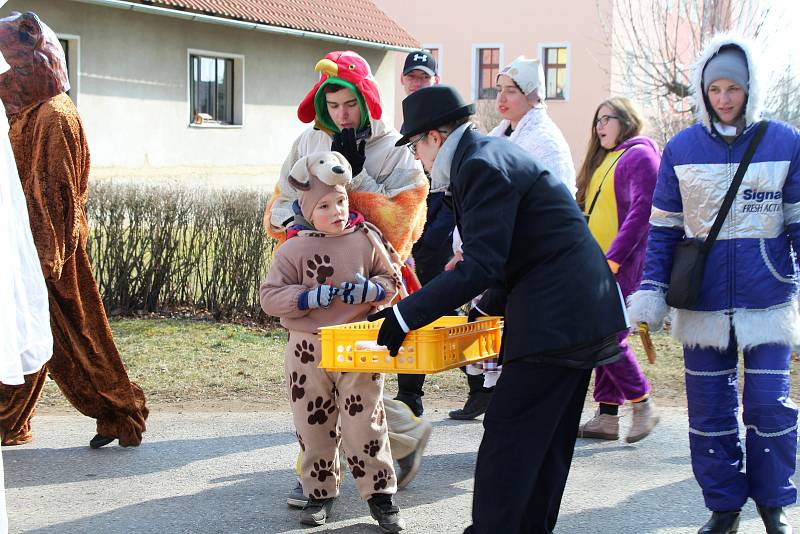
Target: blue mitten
{"x":318,"y":297}
{"x":360,"y":291}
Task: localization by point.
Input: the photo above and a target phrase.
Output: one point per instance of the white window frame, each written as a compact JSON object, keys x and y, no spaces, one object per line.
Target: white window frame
{"x":440,"y":61}
{"x":568,"y":80}
{"x":74,"y":61}
{"x":475,"y":64}
{"x":238,"y":87}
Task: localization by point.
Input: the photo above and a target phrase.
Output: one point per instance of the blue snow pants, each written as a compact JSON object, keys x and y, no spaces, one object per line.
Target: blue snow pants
{"x":770,"y":420}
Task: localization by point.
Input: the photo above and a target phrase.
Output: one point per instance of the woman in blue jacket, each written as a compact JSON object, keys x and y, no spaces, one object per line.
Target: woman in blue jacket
{"x":747,"y":300}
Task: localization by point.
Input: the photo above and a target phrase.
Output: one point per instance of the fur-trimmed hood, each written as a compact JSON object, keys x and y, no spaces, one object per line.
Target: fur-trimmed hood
{"x":755,"y":97}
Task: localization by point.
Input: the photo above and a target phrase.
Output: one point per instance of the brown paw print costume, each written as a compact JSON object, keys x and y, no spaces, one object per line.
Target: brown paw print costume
{"x":329,"y":408}
{"x":52,"y":157}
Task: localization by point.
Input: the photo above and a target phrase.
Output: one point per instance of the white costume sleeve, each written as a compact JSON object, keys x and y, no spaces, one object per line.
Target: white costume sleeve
{"x":26,"y":342}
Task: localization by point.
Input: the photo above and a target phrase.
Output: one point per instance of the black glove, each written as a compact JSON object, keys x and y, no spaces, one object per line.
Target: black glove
{"x":391,"y":335}
{"x":345,"y":143}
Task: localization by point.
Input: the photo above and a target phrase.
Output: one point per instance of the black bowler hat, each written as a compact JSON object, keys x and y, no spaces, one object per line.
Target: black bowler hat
{"x":429,"y":107}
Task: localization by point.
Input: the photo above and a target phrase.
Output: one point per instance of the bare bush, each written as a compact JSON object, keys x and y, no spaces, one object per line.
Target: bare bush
{"x":486,"y":115}
{"x":156,"y":248}
{"x":783,"y":103}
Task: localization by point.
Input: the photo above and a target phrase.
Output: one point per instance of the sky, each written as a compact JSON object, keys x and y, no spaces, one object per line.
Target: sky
{"x":781,"y":39}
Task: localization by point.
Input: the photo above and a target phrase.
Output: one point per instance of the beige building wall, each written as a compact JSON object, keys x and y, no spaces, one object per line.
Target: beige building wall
{"x":132,"y":90}
{"x":517,"y":27}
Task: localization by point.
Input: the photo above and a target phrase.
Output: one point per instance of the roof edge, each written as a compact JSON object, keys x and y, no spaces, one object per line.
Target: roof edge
{"x":242,"y":25}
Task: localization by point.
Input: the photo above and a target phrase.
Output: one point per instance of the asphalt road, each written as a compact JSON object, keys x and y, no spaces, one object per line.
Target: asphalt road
{"x":229,"y":472}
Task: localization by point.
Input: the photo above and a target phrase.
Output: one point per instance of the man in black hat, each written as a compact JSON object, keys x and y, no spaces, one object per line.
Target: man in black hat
{"x":433,"y":249}
{"x":526,"y":237}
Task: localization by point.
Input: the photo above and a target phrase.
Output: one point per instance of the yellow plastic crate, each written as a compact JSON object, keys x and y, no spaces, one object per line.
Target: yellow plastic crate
{"x":444,"y":344}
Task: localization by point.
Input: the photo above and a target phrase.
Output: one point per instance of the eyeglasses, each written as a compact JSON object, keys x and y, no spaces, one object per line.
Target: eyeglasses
{"x":603,"y":120}
{"x":412,"y":146}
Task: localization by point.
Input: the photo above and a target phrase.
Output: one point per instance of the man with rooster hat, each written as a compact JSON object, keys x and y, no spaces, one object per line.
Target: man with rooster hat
{"x":389,"y":187}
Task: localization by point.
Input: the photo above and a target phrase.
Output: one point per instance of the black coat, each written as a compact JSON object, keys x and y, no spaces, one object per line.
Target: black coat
{"x":525,"y":237}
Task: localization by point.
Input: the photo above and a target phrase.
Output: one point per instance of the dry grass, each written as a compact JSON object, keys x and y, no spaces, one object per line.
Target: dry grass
{"x":219,"y":365}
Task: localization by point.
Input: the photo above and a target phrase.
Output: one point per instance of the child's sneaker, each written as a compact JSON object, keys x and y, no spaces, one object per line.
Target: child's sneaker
{"x":297,"y":498}
{"x":316,"y":511}
{"x":386,"y":513}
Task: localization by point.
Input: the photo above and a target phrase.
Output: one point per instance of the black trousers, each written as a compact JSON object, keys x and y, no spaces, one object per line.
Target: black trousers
{"x":428,"y":263}
{"x":409,"y":391}
{"x":525,"y":455}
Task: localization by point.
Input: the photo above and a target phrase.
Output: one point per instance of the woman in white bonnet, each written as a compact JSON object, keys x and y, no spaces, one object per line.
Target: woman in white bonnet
{"x":525,"y":119}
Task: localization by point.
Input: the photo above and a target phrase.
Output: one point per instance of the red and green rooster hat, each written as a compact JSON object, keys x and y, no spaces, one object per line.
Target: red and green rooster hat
{"x":350,"y":70}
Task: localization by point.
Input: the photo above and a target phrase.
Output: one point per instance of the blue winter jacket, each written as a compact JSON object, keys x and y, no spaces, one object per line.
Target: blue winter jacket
{"x":750,"y":265}
{"x":440,"y":223}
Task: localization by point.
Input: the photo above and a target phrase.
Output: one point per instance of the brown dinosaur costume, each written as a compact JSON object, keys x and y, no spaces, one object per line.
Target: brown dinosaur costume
{"x":53,"y":161}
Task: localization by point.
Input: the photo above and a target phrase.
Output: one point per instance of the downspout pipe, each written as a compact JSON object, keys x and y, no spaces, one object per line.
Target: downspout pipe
{"x":242,"y":25}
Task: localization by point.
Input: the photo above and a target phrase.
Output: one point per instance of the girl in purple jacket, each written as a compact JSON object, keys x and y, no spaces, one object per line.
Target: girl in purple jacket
{"x":615,"y":190}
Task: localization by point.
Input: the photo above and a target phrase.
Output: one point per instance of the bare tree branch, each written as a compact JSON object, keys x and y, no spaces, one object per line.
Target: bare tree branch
{"x":655,"y":41}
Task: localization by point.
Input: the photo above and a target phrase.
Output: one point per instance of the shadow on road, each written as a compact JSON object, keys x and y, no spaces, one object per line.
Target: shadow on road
{"x":251,"y":502}
{"x":34,"y":467}
{"x":647,"y":511}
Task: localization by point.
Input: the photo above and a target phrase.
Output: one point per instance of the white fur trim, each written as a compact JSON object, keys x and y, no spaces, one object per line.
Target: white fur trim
{"x":752,"y":327}
{"x":701,"y":329}
{"x":755,"y":97}
{"x":775,"y":325}
{"x":648,"y":307}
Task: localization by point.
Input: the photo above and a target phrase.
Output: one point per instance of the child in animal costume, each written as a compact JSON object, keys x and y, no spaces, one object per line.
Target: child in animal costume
{"x":388,"y":187}
{"x":53,"y":161}
{"x":336,"y":268}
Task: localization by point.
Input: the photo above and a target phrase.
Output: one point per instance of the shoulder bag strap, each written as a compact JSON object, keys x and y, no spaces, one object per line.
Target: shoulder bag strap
{"x":734,"y":188}
{"x":600,"y":187}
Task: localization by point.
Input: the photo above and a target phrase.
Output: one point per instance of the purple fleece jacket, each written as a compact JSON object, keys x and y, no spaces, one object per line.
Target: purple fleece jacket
{"x":634,"y":182}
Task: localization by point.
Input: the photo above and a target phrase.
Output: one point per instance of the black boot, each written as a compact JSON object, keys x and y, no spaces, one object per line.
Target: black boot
{"x":476,"y":404}
{"x":722,"y":523}
{"x":775,"y":520}
{"x":100,"y":440}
